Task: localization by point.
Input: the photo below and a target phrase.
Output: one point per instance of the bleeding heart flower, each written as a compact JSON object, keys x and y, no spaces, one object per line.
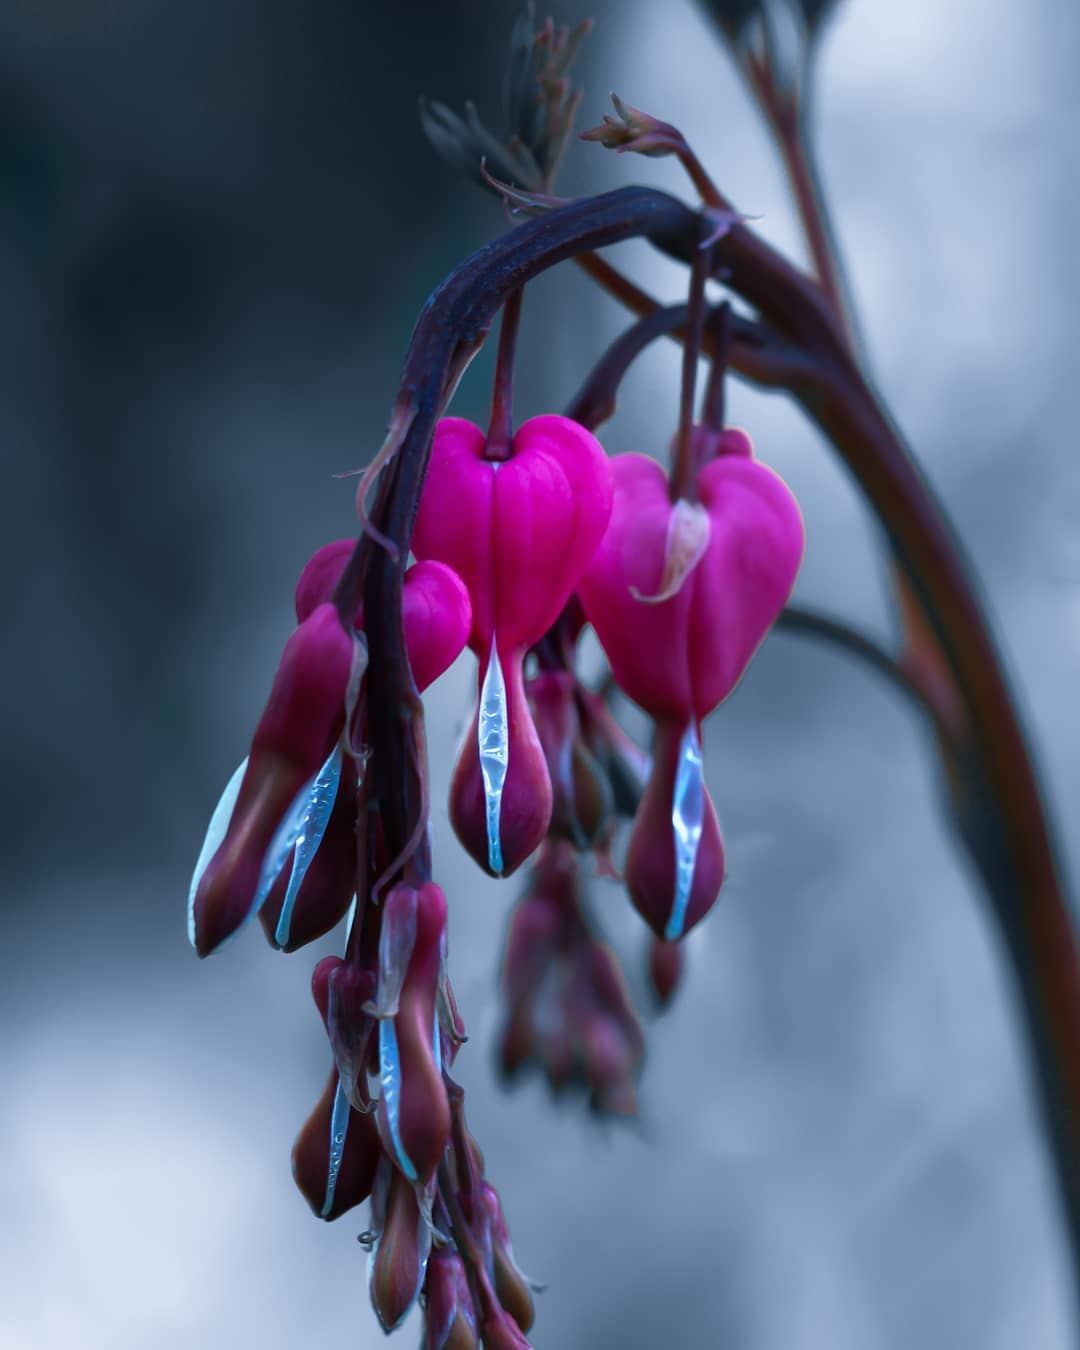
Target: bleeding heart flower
{"x":518,"y":532}
{"x":681,"y":595}
{"x":680,"y":656}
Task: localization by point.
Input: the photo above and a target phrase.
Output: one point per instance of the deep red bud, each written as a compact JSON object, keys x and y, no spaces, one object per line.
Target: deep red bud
{"x":324,"y":1164}
{"x":511,"y":1286}
{"x":581,"y":795}
{"x":667,"y":961}
{"x":650,"y":871}
{"x":295,"y":735}
{"x":330,"y":881}
{"x":449,"y":1316}
{"x":525,"y":810}
{"x":499,"y":1332}
{"x":413,"y":1112}
{"x":344,"y":994}
{"x":397,"y":1269}
{"x":610,"y":1065}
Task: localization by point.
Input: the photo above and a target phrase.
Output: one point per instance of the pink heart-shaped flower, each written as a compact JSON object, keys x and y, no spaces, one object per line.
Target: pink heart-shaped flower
{"x":517,"y":532}
{"x":679,"y":657}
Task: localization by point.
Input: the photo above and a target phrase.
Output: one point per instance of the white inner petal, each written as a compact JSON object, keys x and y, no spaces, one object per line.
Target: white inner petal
{"x":215,"y":833}
{"x":687,"y":816}
{"x":494,"y":741}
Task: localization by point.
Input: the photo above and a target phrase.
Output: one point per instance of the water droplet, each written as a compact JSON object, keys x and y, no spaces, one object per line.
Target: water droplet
{"x":687,"y":817}
{"x":493,"y":734}
{"x":339,"y":1125}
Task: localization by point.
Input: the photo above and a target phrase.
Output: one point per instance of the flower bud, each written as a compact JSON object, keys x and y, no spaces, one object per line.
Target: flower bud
{"x":501,"y":813}
{"x":400,"y":1258}
{"x":511,"y":1287}
{"x":281,"y":785}
{"x":449,"y":1315}
{"x":531,"y":945}
{"x":413,"y":1113}
{"x":675,"y":859}
{"x":499,"y":1332}
{"x":337,"y":1150}
{"x":291,"y":919}
{"x":581,"y":795}
{"x":335,"y":1154}
{"x":345,"y":994}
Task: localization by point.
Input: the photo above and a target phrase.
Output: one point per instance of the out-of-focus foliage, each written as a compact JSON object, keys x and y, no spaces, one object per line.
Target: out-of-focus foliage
{"x":538,"y":111}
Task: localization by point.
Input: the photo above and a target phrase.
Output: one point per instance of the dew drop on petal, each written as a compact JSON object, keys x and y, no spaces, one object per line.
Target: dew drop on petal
{"x":390,"y":1083}
{"x":321,"y":795}
{"x":494,"y":740}
{"x":687,"y":817}
{"x":339,"y":1126}
{"x":215,"y":833}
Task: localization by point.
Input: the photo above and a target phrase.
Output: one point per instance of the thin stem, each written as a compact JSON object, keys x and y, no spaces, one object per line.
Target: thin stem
{"x":682,"y":475}
{"x":594,"y":402}
{"x":712,"y":408}
{"x":500,"y":437}
{"x":810,"y":623}
{"x":783,"y":112}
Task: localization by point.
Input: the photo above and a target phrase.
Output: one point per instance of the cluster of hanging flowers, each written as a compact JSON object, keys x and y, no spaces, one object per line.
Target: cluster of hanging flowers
{"x":522,"y":539}
{"x":518,"y":550}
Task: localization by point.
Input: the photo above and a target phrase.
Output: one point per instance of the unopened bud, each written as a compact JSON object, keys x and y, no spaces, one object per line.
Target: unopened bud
{"x":675,"y":860}
{"x":449,"y":1315}
{"x":335,"y":1154}
{"x":294,"y":916}
{"x":413,"y":1112}
{"x":581,"y":794}
{"x":400,"y":1260}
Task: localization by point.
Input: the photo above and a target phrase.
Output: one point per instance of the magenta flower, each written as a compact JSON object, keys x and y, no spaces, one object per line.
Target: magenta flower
{"x":518,"y":532}
{"x":294,"y":798}
{"x":681,"y":594}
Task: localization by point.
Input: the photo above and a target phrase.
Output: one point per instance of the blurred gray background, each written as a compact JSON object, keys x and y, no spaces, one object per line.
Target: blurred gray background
{"x":217,"y":222}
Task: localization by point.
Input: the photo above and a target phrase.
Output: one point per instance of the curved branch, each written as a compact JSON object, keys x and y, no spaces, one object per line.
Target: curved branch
{"x":809,"y":623}
{"x":995,"y":795}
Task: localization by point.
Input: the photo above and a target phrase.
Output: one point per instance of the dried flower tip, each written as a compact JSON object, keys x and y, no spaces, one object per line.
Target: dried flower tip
{"x":637,"y":131}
